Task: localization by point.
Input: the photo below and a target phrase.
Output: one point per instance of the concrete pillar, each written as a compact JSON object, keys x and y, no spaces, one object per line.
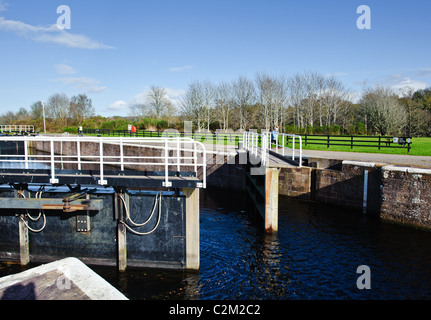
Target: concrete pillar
{"x":271,"y":199}
{"x":121,"y":231}
{"x":122,"y":247}
{"x":24,"y":248}
{"x":192,"y":228}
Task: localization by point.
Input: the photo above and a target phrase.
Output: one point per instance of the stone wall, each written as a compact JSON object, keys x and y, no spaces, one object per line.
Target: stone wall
{"x":406,"y":196}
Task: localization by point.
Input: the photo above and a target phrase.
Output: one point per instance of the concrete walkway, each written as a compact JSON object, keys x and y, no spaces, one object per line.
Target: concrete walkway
{"x":67,"y":279}
{"x":394,"y":159}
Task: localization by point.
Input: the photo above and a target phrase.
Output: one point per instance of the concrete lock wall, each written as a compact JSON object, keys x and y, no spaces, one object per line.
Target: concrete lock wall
{"x":395,"y":194}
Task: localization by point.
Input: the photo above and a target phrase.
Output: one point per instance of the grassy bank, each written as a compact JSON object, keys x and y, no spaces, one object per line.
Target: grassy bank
{"x":419,"y":147}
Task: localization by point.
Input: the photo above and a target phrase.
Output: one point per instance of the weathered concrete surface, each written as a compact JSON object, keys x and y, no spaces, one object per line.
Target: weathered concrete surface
{"x":406,"y":196}
{"x":67,"y":279}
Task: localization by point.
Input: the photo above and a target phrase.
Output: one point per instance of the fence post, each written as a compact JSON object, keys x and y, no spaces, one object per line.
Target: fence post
{"x":351,"y":143}
{"x":328,"y":141}
{"x":379,"y":141}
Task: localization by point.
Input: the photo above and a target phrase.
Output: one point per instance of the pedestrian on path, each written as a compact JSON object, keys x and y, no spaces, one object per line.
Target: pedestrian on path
{"x":274,"y":136}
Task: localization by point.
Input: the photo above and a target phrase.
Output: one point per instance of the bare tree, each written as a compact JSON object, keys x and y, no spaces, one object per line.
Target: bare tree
{"x":272,"y":99}
{"x":192,"y":104}
{"x":333,"y":96}
{"x":57,"y":107}
{"x":243,"y":97}
{"x":223,"y":102}
{"x":81,"y":108}
{"x":384,"y":112}
{"x":296,"y":92}
{"x":208,"y":103}
{"x":157,"y":101}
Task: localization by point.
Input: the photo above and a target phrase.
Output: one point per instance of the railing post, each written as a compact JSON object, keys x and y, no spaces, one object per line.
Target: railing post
{"x":121,"y":154}
{"x":293,"y":148}
{"x":300,"y":151}
{"x":78,"y":151}
{"x":102,"y":181}
{"x":167,"y":183}
{"x":26,"y":153}
{"x":53,"y":180}
{"x":178,"y":155}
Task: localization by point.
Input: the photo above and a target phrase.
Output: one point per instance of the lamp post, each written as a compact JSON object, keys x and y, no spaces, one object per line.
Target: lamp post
{"x":43,"y":113}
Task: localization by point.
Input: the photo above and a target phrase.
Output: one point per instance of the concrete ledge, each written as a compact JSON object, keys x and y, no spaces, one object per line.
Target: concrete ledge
{"x":359,"y":163}
{"x":407,"y":169}
{"x":67,"y":279}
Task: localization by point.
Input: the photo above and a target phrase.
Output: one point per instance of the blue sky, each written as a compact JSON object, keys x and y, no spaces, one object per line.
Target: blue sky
{"x":116,"y":50}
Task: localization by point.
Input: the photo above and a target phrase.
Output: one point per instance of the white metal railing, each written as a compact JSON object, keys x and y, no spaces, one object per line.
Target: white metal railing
{"x":16,"y":128}
{"x":257,"y":145}
{"x":283,"y":149}
{"x":175,"y":154}
{"x":260,"y":145}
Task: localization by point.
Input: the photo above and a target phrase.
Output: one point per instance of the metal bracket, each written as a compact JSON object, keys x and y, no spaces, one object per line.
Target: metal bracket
{"x":67,"y":206}
{"x":83,"y":223}
{"x":167,"y":184}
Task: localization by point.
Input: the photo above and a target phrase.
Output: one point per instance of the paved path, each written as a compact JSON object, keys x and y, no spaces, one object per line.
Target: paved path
{"x":395,"y":159}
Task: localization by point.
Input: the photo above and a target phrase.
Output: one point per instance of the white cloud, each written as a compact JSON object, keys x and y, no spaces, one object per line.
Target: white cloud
{"x":50,"y":34}
{"x":405,"y":82}
{"x":84,"y":84}
{"x":118,"y":105}
{"x":179,"y":69}
{"x":64,"y":69}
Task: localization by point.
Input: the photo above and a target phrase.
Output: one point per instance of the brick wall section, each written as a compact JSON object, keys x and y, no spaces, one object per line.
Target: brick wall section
{"x":406,"y":196}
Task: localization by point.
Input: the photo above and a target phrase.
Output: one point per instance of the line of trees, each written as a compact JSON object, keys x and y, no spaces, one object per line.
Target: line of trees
{"x":60,"y":112}
{"x":306,"y":102}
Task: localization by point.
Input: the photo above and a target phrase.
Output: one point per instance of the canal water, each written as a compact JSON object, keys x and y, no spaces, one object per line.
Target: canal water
{"x":314,"y":256}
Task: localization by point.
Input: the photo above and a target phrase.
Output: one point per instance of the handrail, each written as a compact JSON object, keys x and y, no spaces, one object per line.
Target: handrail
{"x":254,"y":142}
{"x":282,"y":148}
{"x":175,"y":154}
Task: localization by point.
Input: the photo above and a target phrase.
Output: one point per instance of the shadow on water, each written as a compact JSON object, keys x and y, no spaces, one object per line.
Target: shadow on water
{"x":314,"y":255}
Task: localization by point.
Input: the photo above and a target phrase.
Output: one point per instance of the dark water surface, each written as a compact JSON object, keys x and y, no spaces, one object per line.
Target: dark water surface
{"x":315,"y":255}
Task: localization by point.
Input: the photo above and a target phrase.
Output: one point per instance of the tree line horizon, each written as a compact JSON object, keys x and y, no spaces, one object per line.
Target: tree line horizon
{"x":305,"y":103}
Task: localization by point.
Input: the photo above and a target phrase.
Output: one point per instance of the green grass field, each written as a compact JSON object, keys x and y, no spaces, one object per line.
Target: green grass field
{"x":419,"y":146}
